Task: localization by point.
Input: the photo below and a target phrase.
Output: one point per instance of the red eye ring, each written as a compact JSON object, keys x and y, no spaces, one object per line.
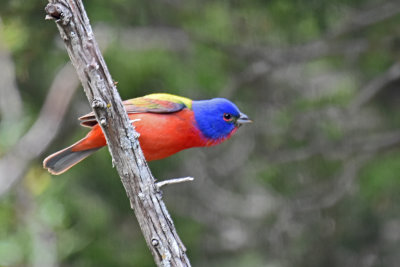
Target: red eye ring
{"x":228,"y":117}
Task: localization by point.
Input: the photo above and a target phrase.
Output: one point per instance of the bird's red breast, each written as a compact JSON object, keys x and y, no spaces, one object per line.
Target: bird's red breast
{"x":161,"y":135}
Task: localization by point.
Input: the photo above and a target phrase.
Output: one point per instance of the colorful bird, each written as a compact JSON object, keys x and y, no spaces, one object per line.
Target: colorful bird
{"x":166,"y":123}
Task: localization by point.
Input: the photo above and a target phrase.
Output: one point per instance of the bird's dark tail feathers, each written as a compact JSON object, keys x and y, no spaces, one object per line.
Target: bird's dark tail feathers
{"x":62,"y":160}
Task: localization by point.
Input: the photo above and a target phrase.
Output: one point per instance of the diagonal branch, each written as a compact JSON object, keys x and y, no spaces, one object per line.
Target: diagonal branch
{"x":15,"y":162}
{"x":374,"y":86}
{"x":10,"y":100}
{"x":145,"y":198}
{"x":368,"y":16}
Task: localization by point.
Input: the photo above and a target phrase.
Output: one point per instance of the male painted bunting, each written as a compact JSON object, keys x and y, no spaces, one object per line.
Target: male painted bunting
{"x":166,"y":123}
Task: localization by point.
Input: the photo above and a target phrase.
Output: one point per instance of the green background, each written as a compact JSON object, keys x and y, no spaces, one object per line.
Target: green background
{"x":314,"y":181}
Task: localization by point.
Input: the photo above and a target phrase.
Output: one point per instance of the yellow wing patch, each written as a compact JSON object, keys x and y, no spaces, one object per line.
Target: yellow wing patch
{"x":173,"y":98}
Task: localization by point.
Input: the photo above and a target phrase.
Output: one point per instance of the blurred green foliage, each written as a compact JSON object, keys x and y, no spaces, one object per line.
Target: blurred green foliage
{"x":312,"y":182}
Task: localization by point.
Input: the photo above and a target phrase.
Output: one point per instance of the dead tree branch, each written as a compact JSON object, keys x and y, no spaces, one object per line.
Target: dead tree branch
{"x":145,"y":198}
{"x":10,"y":100}
{"x":14,"y":164}
{"x":368,"y":16}
{"x":374,"y":86}
{"x":174,"y":181}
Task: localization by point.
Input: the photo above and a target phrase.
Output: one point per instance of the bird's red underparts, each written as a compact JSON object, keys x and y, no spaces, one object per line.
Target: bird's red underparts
{"x":161,"y":135}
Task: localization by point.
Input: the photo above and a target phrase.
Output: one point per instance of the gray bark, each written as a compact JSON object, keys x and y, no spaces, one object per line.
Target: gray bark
{"x":144,"y":196}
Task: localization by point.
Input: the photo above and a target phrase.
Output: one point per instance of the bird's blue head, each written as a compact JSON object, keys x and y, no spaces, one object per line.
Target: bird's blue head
{"x":217,"y":118}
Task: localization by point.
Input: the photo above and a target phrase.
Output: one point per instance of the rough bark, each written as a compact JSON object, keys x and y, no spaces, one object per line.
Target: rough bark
{"x":144,"y":196}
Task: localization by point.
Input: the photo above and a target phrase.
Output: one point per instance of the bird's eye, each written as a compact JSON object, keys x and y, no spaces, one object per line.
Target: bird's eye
{"x":228,"y":117}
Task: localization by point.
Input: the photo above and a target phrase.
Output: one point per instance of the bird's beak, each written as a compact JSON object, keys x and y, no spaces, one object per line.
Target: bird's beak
{"x":243,"y":119}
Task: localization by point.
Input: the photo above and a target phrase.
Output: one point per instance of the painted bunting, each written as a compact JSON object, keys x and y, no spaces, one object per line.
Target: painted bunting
{"x":166,"y":123}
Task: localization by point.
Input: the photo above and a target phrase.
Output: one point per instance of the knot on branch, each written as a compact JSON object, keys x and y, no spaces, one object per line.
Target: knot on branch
{"x":100,"y":104}
{"x":155,"y":242}
{"x":58,"y":12}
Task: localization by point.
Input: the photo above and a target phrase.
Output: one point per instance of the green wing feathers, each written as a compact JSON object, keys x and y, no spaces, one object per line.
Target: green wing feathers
{"x":154,"y":103}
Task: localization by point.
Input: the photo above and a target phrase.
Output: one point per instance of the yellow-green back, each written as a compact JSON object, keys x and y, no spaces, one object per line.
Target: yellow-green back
{"x":173,"y":98}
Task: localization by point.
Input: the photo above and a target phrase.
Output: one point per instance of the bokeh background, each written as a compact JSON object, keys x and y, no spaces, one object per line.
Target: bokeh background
{"x":314,"y":181}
